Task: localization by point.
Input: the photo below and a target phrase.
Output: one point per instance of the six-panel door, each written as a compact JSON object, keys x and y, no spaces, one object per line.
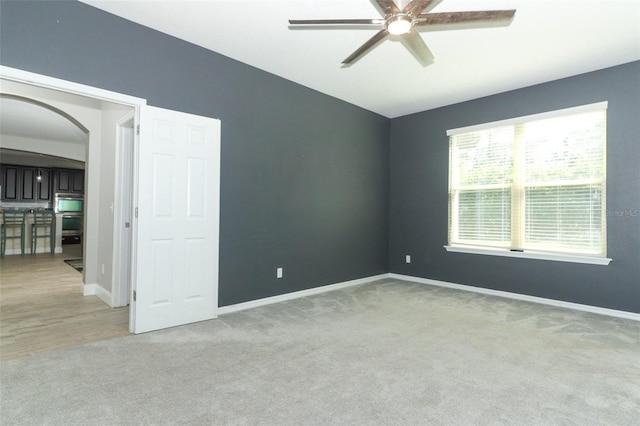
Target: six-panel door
{"x":178,"y":220}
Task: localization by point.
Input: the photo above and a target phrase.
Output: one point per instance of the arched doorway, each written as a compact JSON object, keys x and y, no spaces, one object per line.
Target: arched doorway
{"x":67,"y":131}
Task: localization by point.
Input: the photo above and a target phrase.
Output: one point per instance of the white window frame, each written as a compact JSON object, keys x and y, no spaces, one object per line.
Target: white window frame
{"x":528,"y":253}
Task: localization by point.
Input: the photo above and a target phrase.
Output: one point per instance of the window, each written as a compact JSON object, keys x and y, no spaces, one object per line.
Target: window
{"x":533,"y":185}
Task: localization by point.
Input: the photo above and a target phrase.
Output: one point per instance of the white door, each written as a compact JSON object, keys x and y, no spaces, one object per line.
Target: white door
{"x":176,"y":277}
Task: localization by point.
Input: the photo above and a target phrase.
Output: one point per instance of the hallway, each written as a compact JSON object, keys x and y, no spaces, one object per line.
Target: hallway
{"x":42,"y":308}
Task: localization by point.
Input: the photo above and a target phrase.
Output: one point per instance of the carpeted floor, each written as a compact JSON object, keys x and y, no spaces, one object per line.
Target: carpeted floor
{"x":385,"y":353}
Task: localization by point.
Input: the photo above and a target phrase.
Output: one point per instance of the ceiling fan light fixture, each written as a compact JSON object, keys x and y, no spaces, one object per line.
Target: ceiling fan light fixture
{"x":402,"y":23}
{"x":399,"y":24}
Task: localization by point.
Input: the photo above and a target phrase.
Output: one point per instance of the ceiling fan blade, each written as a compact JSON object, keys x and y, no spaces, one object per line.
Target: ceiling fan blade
{"x":462,"y":17}
{"x":336,"y":21}
{"x":365,"y":47}
{"x":388,"y":7}
{"x":414,"y":43}
{"x":417,"y":7}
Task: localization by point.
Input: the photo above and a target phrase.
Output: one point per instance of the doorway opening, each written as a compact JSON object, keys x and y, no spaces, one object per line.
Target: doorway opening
{"x":110,"y":176}
{"x":170,"y":272}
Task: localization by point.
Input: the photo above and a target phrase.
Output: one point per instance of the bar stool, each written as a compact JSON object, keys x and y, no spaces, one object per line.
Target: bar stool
{"x":12,"y":220}
{"x":43,"y":220}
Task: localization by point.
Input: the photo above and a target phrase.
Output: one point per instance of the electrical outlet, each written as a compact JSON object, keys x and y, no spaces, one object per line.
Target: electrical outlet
{"x":407,"y":258}
{"x":279,"y":273}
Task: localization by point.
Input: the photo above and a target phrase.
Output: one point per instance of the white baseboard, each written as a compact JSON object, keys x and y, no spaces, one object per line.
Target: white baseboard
{"x":297,"y":294}
{"x":27,"y":250}
{"x":527,"y":298}
{"x":14,"y":251}
{"x":89,"y":289}
{"x":98,"y":290}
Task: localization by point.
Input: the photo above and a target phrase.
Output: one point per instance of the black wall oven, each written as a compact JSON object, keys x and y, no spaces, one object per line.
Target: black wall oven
{"x":71,"y":206}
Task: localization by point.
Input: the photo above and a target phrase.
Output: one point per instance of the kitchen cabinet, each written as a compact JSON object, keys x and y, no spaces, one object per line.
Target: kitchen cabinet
{"x":21,"y":183}
{"x":27,"y":184}
{"x":69,"y":181}
{"x":10,"y":183}
{"x":45,"y":185}
{"x":77,"y":184}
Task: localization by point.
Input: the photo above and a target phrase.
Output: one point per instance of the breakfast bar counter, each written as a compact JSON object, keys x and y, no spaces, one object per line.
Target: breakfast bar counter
{"x":42,"y":243}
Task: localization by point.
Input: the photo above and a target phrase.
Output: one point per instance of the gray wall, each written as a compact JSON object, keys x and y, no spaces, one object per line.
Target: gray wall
{"x":304,"y":182}
{"x":309,"y":182}
{"x":419,"y":186}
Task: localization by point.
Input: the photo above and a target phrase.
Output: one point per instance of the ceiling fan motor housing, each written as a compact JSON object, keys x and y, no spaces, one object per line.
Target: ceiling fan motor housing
{"x":399,"y":23}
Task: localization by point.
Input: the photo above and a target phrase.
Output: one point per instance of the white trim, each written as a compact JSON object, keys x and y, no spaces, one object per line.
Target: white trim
{"x":541,"y":116}
{"x":99,"y":291}
{"x":534,"y":299}
{"x":297,"y":294}
{"x":104,"y":295}
{"x":558,"y":257}
{"x":121,"y":281}
{"x":89,"y":289}
{"x":14,"y":251}
{"x":338,"y":286}
{"x":27,"y":250}
{"x":40,"y":80}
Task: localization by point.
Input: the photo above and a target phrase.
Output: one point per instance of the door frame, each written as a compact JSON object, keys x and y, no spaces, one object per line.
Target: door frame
{"x":123,"y":208}
{"x":39,"y":80}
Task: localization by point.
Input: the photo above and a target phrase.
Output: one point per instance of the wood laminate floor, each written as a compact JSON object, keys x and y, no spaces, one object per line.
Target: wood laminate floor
{"x":42,"y":308}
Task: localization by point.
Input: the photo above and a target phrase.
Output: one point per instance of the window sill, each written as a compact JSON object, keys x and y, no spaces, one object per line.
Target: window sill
{"x":530,"y":255}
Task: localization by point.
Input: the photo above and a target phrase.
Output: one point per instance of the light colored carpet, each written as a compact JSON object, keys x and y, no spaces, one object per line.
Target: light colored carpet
{"x":385,"y":353}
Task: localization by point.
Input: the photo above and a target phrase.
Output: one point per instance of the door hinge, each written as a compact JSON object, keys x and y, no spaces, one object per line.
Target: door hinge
{"x":134,"y":295}
{"x":138,"y":129}
{"x":127,"y":225}
{"x":136,"y":212}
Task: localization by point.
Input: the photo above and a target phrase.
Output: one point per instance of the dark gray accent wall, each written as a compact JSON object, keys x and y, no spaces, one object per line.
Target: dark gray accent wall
{"x":304,"y":182}
{"x":313,"y":184}
{"x":419,"y":152}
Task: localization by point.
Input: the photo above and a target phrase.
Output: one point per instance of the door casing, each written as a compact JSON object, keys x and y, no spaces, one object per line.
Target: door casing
{"x":38,"y":80}
{"x":123,"y":208}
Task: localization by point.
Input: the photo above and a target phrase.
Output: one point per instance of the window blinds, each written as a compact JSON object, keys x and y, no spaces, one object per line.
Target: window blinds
{"x":537,"y":183}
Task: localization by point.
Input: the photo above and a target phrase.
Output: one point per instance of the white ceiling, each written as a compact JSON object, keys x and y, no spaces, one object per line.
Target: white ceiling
{"x":28,"y":119}
{"x":547,"y":40}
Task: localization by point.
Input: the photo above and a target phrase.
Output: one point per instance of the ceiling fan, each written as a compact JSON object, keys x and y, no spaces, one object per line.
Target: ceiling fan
{"x":402,"y":23}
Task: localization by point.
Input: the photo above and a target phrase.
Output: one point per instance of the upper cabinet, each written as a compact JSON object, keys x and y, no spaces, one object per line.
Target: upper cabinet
{"x":35,"y":184}
{"x":69,"y":181}
{"x":44,"y":185}
{"x":25,"y":184}
{"x":10,"y":183}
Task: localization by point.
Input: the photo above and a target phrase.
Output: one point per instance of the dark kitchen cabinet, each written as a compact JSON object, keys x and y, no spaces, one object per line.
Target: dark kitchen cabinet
{"x":77,"y":182}
{"x":63,"y":180}
{"x":25,"y":184}
{"x":10,"y":183}
{"x":45,"y":185}
{"x":69,"y":181}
